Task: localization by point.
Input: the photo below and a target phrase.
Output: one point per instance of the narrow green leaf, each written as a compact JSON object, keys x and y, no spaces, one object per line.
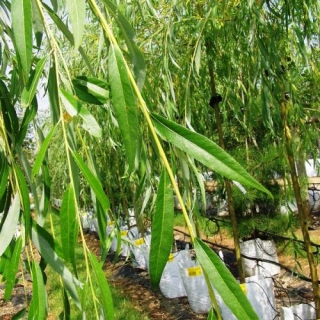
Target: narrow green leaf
{"x":13,"y":268}
{"x":66,"y":32}
{"x":136,"y":56}
{"x":91,"y":90}
{"x":30,"y":89}
{"x":46,"y":246}
{"x":37,"y":23}
{"x":10,"y":224}
{"x":106,"y":296}
{"x":74,"y":107}
{"x":39,"y":301}
{"x":212,"y":315}
{"x":197,"y":58}
{"x":24,"y":192}
{"x":21,"y":14}
{"x":93,"y":181}
{"x":29,"y":115}
{"x":205,"y":151}
{"x":162,"y":229}
{"x":53,"y":93}
{"x":77,"y":14}
{"x":42,"y":152}
{"x":69,"y":226}
{"x":224,"y":282}
{"x":4,"y":174}
{"x":19,"y":315}
{"x":124,"y":102}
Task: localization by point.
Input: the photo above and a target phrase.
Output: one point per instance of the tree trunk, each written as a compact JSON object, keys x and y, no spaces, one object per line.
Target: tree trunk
{"x":303,"y":208}
{"x":214,"y":103}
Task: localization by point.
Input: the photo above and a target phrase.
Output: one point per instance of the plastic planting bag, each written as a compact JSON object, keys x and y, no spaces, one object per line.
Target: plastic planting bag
{"x":259,"y":291}
{"x":261,"y":249}
{"x":300,"y":311}
{"x":171,"y":284}
{"x":140,"y":249}
{"x":124,"y":248}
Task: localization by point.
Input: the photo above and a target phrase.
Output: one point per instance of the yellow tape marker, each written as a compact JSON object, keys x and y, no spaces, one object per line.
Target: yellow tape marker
{"x":139,"y":242}
{"x":194,"y":271}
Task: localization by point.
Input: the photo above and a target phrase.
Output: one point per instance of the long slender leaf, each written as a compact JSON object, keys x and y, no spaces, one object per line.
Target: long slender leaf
{"x":136,"y":56}
{"x":13,"y":268}
{"x":21,"y":13}
{"x":106,"y":296}
{"x":162,"y":230}
{"x":69,"y":226}
{"x":24,"y":192}
{"x":205,"y":151}
{"x":93,"y":182}
{"x":77,"y":14}
{"x":37,"y":23}
{"x":74,"y":107}
{"x":124,"y":102}
{"x":4,"y":174}
{"x":37,"y":308}
{"x":224,"y":282}
{"x":29,"y":115}
{"x":10,"y":224}
{"x":45,"y":245}
{"x":53,"y":92}
{"x":91,"y":90}
{"x":42,"y":152}
{"x":30,"y":90}
{"x":64,"y":29}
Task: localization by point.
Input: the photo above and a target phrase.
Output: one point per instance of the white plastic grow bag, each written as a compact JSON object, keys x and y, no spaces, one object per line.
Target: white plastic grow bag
{"x":171,"y":284}
{"x":259,"y":291}
{"x":124,"y":248}
{"x":300,"y":311}
{"x":261,"y":249}
{"x":196,"y":288}
{"x":140,"y":250}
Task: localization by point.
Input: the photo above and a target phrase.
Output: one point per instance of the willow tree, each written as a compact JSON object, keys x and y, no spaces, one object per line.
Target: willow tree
{"x":32,"y":54}
{"x":138,"y":87}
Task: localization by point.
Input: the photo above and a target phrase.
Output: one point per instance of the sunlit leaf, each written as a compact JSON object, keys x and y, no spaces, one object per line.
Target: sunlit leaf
{"x":69,"y":226}
{"x":12,"y":268}
{"x":224,"y":282}
{"x":53,"y":93}
{"x":30,"y":90}
{"x":21,"y":13}
{"x":29,"y":115}
{"x":66,"y":32}
{"x":10,"y":224}
{"x":42,"y":152}
{"x":37,"y":23}
{"x":38,"y":305}
{"x":124,"y":102}
{"x":162,"y":229}
{"x":136,"y":56}
{"x":4,"y":174}
{"x":74,"y":107}
{"x":92,"y":181}
{"x":91,"y":90}
{"x":205,"y":151}
{"x":77,"y":14}
{"x":47,"y":248}
{"x":106,"y":297}
{"x":24,"y":192}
